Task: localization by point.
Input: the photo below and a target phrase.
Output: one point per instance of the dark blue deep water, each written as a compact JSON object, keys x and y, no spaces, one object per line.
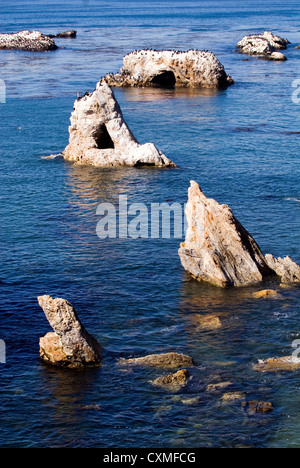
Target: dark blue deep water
{"x":241,"y":145}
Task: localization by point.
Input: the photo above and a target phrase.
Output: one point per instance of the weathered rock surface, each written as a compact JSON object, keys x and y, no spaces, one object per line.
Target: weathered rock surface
{"x":99,"y":135}
{"x":65,"y":35}
{"x":70,"y":345}
{"x":33,"y":41}
{"x":167,"y":68}
{"x":284,"y":364}
{"x":166,"y":360}
{"x":173,"y":381}
{"x":265,"y":45}
{"x":233,"y":396}
{"x":217,"y":387}
{"x":285,"y":268}
{"x":219,"y":250}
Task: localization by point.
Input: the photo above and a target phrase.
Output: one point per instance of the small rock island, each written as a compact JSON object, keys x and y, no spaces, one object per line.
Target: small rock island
{"x":264,"y":45}
{"x":220,"y":251}
{"x":32,"y":41}
{"x":167,"y":68}
{"x":99,"y":135}
{"x":70,"y":345}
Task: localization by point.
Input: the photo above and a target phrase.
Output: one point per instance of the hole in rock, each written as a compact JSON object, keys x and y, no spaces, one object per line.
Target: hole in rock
{"x":165,"y":79}
{"x":102,"y":138}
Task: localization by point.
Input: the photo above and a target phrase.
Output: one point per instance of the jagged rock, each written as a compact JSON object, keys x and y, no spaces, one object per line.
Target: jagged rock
{"x":173,"y":381}
{"x":26,"y":40}
{"x":298,"y":47}
{"x":266,"y":293}
{"x":70,"y":345}
{"x":219,"y":250}
{"x":288,"y":270}
{"x":166,"y":360}
{"x":66,"y":35}
{"x":99,"y":135}
{"x":283,"y":364}
{"x":167,"y":68}
{"x":264,"y":45}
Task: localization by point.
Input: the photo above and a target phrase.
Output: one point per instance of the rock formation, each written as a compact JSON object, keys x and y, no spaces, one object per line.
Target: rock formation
{"x":173,"y":381}
{"x":26,"y":40}
{"x":166,"y":360}
{"x":167,"y":68}
{"x":70,"y":345}
{"x":264,"y":45}
{"x":99,"y":135}
{"x":266,"y":294}
{"x":283,"y":364}
{"x":65,"y":35}
{"x":219,"y":250}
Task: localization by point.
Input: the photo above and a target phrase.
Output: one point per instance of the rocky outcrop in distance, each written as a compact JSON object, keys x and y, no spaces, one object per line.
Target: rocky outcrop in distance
{"x":99,"y":135}
{"x":220,"y":251}
{"x":167,"y":68}
{"x":64,"y":35}
{"x":26,"y":40}
{"x":264,"y":45}
{"x":69,"y":345}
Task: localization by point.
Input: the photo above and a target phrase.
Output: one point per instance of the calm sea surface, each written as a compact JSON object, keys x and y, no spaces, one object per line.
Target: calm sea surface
{"x":241,"y":145}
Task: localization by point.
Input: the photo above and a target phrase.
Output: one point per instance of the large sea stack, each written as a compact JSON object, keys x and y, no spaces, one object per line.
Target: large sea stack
{"x":99,"y":135}
{"x":167,"y":68}
{"x":69,"y":345}
{"x":220,"y":251}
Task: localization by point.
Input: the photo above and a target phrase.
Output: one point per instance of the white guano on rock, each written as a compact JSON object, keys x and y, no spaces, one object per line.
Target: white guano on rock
{"x":168,"y":68}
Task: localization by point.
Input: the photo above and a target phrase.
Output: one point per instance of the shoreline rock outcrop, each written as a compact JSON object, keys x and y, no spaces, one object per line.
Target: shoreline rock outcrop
{"x":220,"y":251}
{"x":69,"y":345}
{"x":264,"y":45}
{"x":167,"y":68}
{"x":283,"y":364}
{"x":99,"y":135}
{"x":33,"y":41}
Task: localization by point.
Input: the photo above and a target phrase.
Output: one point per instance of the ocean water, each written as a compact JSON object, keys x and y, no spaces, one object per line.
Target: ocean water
{"x":241,"y":145}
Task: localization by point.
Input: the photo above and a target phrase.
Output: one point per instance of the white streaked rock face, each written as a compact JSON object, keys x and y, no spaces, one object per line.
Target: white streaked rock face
{"x":220,"y":251}
{"x":27,"y":40}
{"x":99,"y":135}
{"x":194,"y":69}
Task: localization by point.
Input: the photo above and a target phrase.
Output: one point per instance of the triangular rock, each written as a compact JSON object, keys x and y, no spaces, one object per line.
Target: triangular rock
{"x":99,"y":135}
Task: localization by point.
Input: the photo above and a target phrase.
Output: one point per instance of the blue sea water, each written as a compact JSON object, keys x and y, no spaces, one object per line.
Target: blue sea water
{"x":241,"y":145}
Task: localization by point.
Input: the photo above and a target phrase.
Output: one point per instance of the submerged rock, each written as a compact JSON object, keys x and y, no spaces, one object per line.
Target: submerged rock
{"x":218,"y":387}
{"x":166,"y":360}
{"x":70,"y":345}
{"x":266,"y":293}
{"x":173,"y":381}
{"x":33,"y":41}
{"x":167,"y":68}
{"x":284,"y":364}
{"x":99,"y":135}
{"x":206,"y":322}
{"x":264,"y":45}
{"x":254,"y":406}
{"x":219,"y":250}
{"x":233,"y":396}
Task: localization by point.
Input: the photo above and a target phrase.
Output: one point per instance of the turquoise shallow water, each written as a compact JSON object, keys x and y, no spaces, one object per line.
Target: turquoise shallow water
{"x":241,"y":145}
